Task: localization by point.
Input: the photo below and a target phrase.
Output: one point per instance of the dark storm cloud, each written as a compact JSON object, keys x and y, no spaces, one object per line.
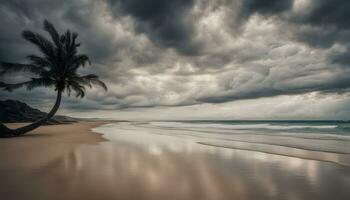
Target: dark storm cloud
{"x":182,"y":52}
{"x":330,"y":24}
{"x":326,"y":12}
{"x":321,"y":24}
{"x":334,"y":13}
{"x":267,"y":7}
{"x":166,"y":22}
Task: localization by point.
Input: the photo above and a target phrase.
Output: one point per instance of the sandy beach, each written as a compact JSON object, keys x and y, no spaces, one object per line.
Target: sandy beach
{"x":131,"y":162}
{"x":27,"y":161}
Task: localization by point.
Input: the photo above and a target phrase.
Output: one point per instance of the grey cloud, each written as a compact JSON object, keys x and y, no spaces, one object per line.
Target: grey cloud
{"x":325,"y":12}
{"x":336,"y":83}
{"x":330,"y":25}
{"x":321,"y":23}
{"x":165,"y":22}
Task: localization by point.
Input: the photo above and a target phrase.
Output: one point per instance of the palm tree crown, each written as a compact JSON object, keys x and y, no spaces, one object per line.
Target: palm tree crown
{"x":56,"y":66}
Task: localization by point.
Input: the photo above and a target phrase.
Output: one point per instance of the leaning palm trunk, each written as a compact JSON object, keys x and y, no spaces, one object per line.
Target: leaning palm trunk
{"x":6,"y":132}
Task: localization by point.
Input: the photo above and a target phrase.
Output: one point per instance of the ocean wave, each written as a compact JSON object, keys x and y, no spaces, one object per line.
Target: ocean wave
{"x":238,"y":126}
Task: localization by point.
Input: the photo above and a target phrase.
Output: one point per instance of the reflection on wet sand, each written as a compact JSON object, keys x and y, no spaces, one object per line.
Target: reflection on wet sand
{"x":124,"y":171}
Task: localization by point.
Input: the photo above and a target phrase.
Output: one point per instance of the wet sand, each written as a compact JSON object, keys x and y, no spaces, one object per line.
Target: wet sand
{"x":71,"y":162}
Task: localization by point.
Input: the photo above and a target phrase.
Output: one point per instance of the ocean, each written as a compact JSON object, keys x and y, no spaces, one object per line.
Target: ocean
{"x":262,"y":126}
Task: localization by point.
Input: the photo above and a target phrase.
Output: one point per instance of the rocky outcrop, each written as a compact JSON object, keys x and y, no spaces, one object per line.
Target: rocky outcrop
{"x":16,"y":111}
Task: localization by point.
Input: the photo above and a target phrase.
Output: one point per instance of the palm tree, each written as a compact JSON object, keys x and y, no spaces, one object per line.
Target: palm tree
{"x":56,"y":67}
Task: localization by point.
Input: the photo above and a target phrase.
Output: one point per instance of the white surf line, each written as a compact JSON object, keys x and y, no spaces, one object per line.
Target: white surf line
{"x":328,"y":137}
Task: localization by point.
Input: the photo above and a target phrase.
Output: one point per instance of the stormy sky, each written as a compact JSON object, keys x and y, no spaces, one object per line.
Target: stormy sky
{"x":195,"y":59}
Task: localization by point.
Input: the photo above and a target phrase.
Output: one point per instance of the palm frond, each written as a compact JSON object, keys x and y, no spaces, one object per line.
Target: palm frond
{"x":77,"y":88}
{"x":39,"y":61}
{"x":68,"y":89}
{"x":33,"y":83}
{"x":89,"y":80}
{"x":74,"y":38}
{"x":55,"y":36}
{"x":70,"y":40}
{"x":44,"y":45}
{"x":40,"y":82}
{"x":10,"y":87}
{"x":17,"y":67}
{"x":81,"y":60}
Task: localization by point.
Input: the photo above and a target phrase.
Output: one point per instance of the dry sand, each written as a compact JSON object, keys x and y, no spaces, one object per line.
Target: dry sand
{"x":24,"y":158}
